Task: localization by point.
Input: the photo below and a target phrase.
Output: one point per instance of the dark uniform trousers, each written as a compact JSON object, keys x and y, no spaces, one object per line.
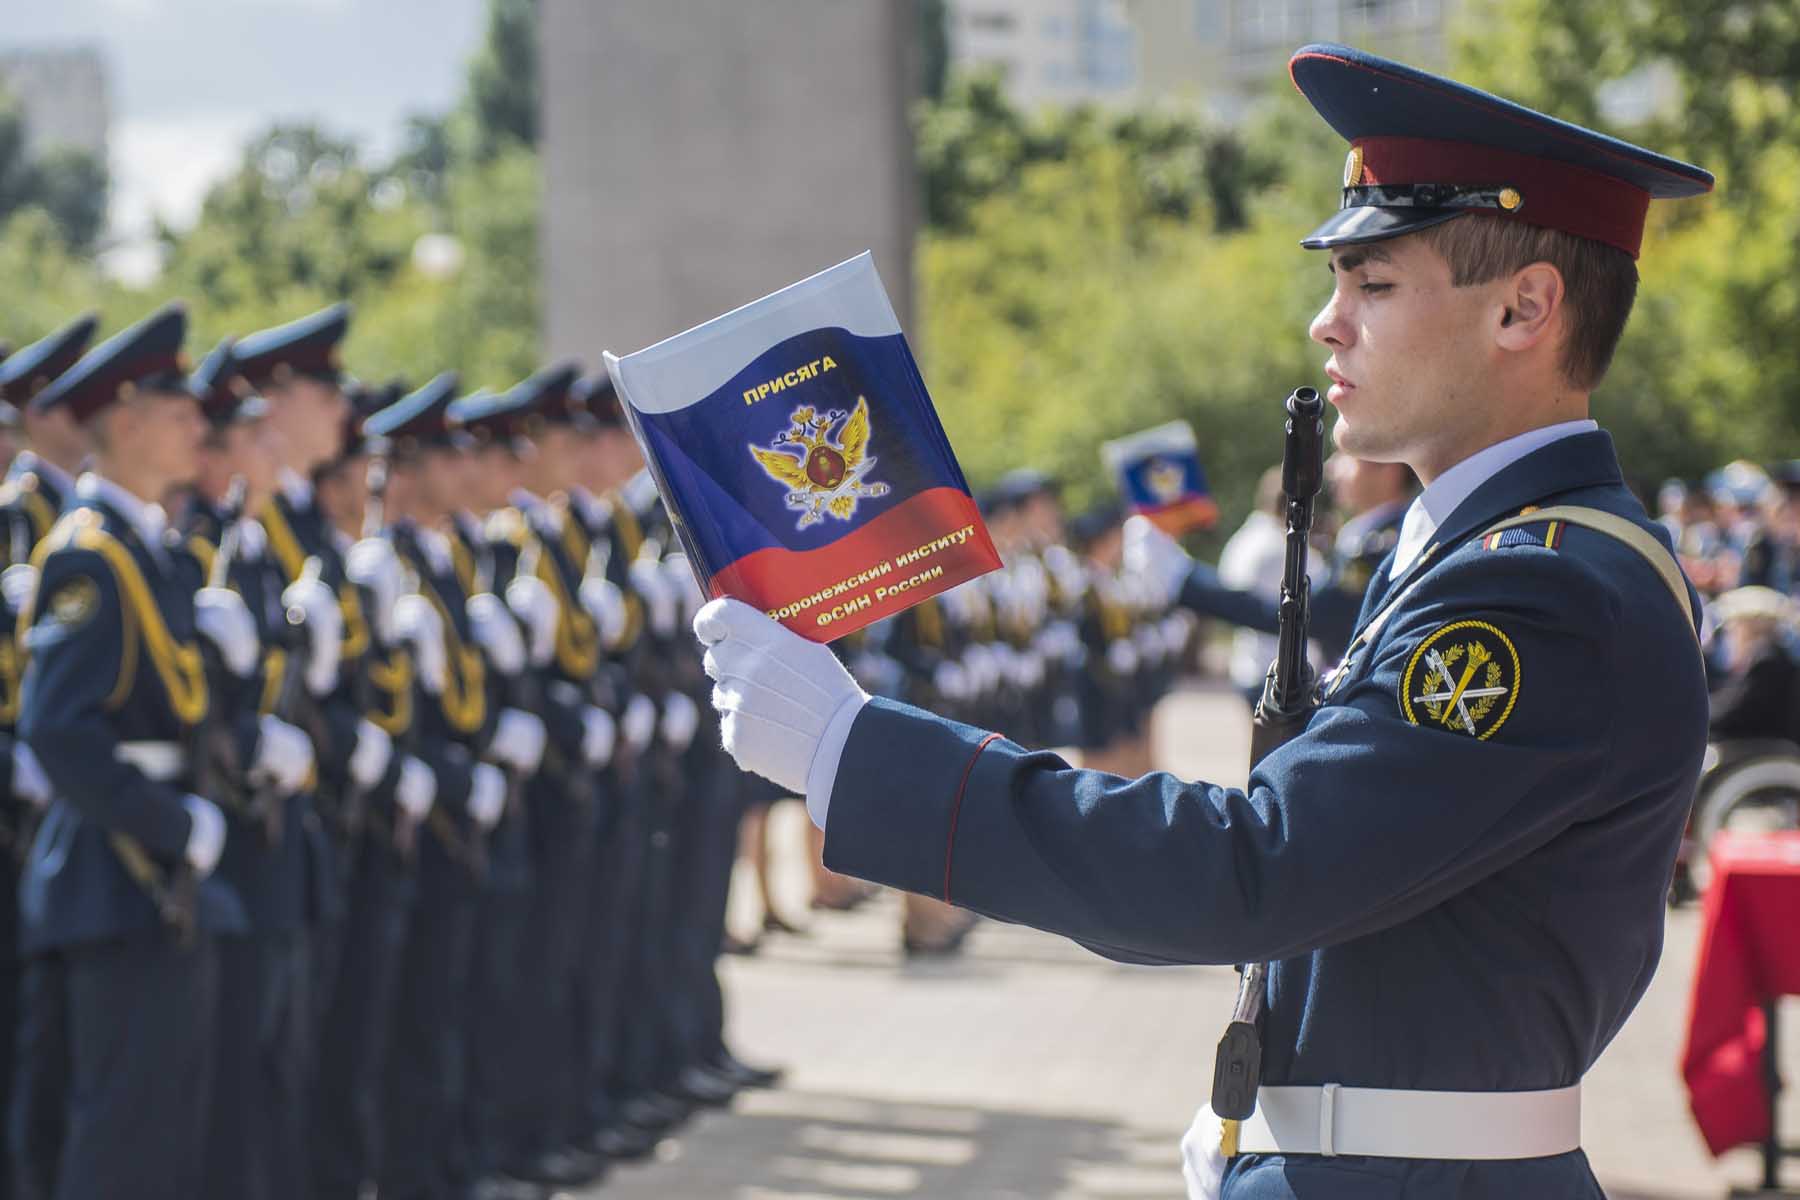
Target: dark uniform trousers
{"x":500,"y":1031}
{"x":605,"y":944}
{"x":1404,"y":862}
{"x":706,"y":849}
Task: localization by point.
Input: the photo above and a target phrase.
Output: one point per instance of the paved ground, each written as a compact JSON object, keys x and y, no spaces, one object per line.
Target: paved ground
{"x":1029,"y":1068}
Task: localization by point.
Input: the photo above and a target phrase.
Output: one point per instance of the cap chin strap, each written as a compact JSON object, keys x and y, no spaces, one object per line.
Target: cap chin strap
{"x":1498,"y":197}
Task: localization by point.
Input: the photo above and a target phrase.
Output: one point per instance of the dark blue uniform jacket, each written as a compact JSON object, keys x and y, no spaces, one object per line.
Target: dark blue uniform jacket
{"x":1459,"y":867}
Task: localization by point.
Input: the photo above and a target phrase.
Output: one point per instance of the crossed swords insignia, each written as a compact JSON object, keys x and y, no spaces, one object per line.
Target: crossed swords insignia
{"x":1462,"y":704}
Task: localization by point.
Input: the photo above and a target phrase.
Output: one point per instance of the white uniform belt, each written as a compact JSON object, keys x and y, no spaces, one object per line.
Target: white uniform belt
{"x":161,"y":761}
{"x":1388,"y":1123}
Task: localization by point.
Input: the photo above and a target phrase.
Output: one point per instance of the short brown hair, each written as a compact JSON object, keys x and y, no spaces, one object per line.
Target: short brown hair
{"x":1601,"y":280}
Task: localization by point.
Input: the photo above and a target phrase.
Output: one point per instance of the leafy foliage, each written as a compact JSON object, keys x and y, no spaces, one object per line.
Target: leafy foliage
{"x":67,"y":184}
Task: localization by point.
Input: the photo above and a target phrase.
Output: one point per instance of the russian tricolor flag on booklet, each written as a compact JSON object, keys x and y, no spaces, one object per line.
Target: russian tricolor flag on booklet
{"x":797,"y":450}
{"x":1159,"y":475}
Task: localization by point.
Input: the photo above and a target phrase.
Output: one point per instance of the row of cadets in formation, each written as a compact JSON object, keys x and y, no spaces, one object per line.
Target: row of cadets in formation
{"x":368,"y":823}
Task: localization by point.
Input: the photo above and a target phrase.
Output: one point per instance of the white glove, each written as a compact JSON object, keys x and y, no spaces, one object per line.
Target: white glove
{"x":416,"y":790}
{"x":639,"y":722}
{"x":661,"y":600}
{"x":1031,"y":669}
{"x":777,"y":692}
{"x":487,"y":795}
{"x":598,"y":736}
{"x":206,"y":834}
{"x":518,"y":740}
{"x":497,"y":633}
{"x":606,"y":604}
{"x":372,"y":564}
{"x":417,"y":623}
{"x":324,"y":625}
{"x":1154,"y":557}
{"x":680,"y":577}
{"x":984,"y":670}
{"x":1149,"y":644}
{"x":373,"y":751}
{"x":284,"y":755}
{"x":1122,"y":657}
{"x":531,"y":601}
{"x":950,"y":680}
{"x":18,"y":583}
{"x":680,"y":718}
{"x":29,"y":783}
{"x":1203,"y":1156}
{"x":222,"y":619}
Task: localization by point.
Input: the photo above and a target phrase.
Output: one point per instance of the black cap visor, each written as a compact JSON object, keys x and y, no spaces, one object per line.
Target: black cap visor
{"x":1370,"y":223}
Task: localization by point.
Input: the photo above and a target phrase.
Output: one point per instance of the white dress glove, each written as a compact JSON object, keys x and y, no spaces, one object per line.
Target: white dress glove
{"x":680,"y":576}
{"x":29,"y":782}
{"x":661,"y":601}
{"x":417,"y":623}
{"x":777,"y":692}
{"x":1155,"y":558}
{"x":372,"y":564}
{"x":284,"y":755}
{"x":639,"y":722}
{"x":206,"y":834}
{"x":487,"y":795}
{"x":531,"y":601}
{"x":497,"y":633}
{"x":1203,"y":1156}
{"x":18,"y":583}
{"x":598,"y":736}
{"x":680,"y":718}
{"x":416,"y":790}
{"x":950,"y":680}
{"x":606,"y":604}
{"x":222,"y":619}
{"x":369,"y":759}
{"x":1122,"y":657}
{"x":324,"y":625}
{"x":518,"y":741}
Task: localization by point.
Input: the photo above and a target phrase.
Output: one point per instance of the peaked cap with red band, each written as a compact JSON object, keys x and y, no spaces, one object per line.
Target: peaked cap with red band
{"x":1424,"y":150}
{"x":143,"y":358}
{"x":307,"y":347}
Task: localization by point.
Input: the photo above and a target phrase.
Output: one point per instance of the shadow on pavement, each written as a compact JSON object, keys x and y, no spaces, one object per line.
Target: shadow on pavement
{"x":797,"y":1146}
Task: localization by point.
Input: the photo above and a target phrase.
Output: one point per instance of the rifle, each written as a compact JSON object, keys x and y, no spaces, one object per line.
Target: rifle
{"x":1287,"y":703}
{"x":290,"y":704}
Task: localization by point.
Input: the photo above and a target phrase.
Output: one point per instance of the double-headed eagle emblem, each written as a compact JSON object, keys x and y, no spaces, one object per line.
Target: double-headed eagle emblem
{"x":828,"y":475}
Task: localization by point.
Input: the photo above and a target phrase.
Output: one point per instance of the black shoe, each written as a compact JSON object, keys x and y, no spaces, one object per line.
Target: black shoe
{"x":728,"y":1067}
{"x":564,"y":1167}
{"x":654,"y":1111}
{"x":505,"y":1187}
{"x":704,"y":1088}
{"x":623,"y":1143}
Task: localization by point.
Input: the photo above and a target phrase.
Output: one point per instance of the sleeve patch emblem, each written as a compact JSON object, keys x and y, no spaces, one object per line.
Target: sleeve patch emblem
{"x":74,"y":603}
{"x":1463,"y":677}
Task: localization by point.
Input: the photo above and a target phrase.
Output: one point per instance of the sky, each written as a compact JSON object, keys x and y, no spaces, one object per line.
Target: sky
{"x":191,"y":80}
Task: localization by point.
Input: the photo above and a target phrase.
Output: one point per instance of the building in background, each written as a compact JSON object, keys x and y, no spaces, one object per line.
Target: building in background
{"x":699,"y":155}
{"x":1223,"y":54}
{"x":63,"y":95}
{"x":1048,"y":51}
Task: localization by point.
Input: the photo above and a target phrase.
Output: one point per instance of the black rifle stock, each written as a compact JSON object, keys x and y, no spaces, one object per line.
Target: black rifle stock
{"x":1286,"y":704}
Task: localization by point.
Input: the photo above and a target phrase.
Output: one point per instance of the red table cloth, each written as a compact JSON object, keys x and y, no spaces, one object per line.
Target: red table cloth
{"x":1749,"y":951}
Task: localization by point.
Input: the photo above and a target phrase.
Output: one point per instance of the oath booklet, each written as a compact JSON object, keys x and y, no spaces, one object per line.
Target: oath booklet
{"x":798,"y":452}
{"x":1159,"y":475}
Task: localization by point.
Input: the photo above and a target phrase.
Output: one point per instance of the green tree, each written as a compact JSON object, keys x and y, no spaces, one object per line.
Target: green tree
{"x":503,"y":79}
{"x":69,"y":185}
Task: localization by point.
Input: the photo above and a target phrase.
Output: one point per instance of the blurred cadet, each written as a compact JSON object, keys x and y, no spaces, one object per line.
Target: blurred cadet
{"x":255,"y":1145}
{"x":410,"y":569}
{"x":1771,"y":555}
{"x":1251,"y":563}
{"x":534,"y":1134}
{"x":1373,"y":498}
{"x":115,"y":700}
{"x":41,"y":477}
{"x":1671,"y":500}
{"x":1111,"y":716}
{"x":1760,"y":697}
{"x":1445,"y":824}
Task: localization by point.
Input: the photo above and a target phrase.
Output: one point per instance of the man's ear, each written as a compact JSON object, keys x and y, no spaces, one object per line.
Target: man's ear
{"x":1532,"y":297}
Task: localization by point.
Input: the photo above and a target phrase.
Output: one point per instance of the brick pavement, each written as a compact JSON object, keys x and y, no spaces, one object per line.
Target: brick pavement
{"x":1029,"y":1068}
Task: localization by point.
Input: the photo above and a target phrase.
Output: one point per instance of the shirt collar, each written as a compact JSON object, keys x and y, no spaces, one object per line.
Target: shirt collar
{"x":1433,"y":506}
{"x":146,"y":518}
{"x":436,"y":548}
{"x":297,"y":489}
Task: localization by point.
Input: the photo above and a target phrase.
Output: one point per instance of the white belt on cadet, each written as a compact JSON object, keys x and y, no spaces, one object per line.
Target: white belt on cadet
{"x":1389,"y":1123}
{"x":161,"y":761}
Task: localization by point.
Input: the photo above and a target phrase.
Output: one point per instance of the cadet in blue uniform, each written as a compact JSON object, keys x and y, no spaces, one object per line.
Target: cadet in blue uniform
{"x":1459,"y":866}
{"x":37,"y":482}
{"x":256,"y":1145}
{"x":115,"y":692}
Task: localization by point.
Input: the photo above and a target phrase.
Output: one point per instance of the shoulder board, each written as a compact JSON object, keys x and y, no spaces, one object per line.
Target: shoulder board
{"x":1546,"y":534}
